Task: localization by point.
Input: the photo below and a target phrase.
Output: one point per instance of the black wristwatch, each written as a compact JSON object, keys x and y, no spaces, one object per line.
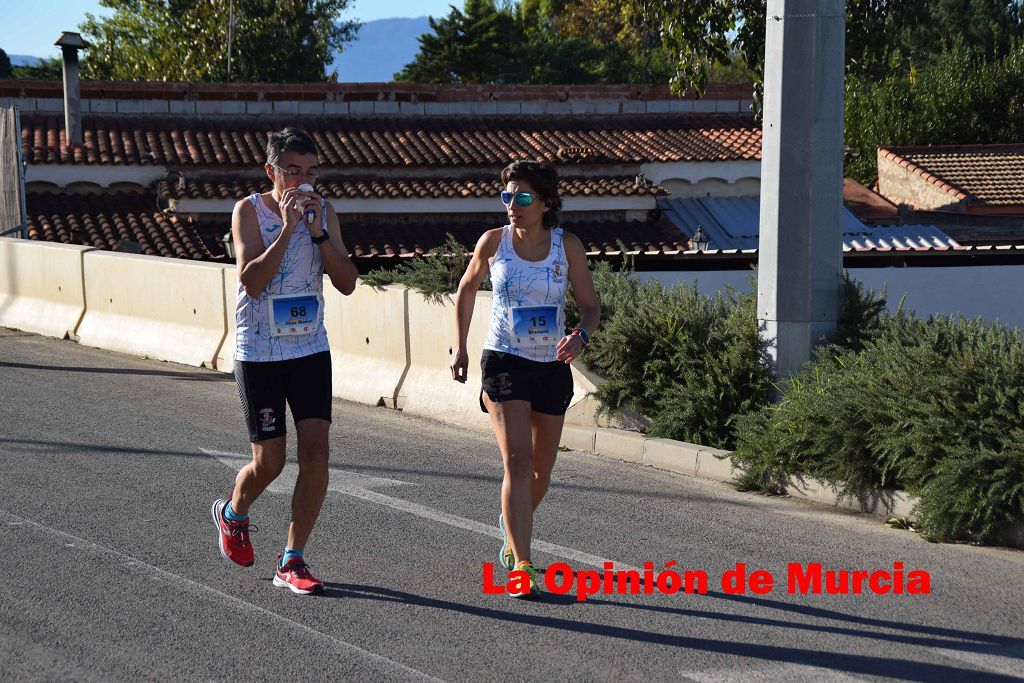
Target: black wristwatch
{"x":321,"y":239}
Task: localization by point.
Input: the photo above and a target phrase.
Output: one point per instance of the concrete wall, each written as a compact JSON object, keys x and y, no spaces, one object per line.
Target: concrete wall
{"x":390,"y":347}
{"x":155,"y":307}
{"x":369,"y":339}
{"x":225,"y":361}
{"x":713,"y":187}
{"x":41,"y":287}
{"x":429,"y":389}
{"x":903,"y":186}
{"x":991,"y":292}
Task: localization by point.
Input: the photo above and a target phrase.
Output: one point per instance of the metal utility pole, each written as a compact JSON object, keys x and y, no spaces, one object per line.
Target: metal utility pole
{"x":800,"y":258}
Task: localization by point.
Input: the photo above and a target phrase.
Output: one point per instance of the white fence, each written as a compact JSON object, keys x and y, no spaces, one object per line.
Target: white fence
{"x":991,"y":292}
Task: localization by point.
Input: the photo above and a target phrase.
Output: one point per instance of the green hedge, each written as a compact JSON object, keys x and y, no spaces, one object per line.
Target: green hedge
{"x":933,"y":407}
{"x":691,"y":363}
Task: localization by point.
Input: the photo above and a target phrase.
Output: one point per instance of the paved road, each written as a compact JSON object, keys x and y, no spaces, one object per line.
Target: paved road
{"x":108,"y":465}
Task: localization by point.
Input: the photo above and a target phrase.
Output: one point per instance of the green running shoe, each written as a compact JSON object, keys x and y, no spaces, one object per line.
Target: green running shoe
{"x":534,"y":586}
{"x":506,"y":557}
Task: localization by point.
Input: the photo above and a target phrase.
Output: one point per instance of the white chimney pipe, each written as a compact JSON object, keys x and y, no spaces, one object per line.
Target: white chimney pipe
{"x":70,"y":44}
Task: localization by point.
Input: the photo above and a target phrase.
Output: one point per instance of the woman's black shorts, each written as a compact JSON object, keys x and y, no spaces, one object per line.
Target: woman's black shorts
{"x":507,"y":377}
{"x":305,"y":383}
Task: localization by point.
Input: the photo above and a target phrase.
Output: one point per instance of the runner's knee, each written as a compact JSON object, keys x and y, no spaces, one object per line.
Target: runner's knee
{"x":315,"y":454}
{"x":520,"y":463}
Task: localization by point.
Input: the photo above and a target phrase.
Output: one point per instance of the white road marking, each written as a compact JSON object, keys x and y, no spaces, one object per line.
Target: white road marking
{"x":341,"y":480}
{"x":783,"y":671}
{"x":158,"y":573}
{"x":358,"y":485}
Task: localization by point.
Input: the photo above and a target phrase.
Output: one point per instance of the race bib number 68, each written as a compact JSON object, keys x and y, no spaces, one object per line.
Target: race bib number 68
{"x":294,"y":314}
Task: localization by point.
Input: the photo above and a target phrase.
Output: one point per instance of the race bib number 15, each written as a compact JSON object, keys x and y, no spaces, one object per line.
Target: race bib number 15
{"x":535,"y":325}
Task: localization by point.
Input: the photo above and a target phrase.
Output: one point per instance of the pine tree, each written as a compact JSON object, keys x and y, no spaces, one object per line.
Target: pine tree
{"x":479,"y":44}
{"x":5,"y":65}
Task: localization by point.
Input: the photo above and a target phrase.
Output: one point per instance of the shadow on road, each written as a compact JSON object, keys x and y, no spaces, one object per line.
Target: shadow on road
{"x":556,"y":484}
{"x":64,"y":447}
{"x":187,"y":376}
{"x":950,"y":639}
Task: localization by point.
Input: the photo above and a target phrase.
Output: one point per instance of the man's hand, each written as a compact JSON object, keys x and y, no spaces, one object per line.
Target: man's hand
{"x":309,"y":200}
{"x":291,"y":209}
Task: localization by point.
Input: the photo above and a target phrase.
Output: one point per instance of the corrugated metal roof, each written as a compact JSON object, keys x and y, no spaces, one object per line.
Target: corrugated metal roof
{"x":733,"y":223}
{"x":899,"y":238}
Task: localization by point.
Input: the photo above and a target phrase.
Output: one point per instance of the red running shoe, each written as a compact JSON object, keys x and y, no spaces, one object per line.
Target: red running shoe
{"x":295,"y":575}
{"x":233,"y":537}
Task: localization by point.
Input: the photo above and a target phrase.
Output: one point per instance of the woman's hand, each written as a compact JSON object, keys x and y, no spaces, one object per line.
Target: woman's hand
{"x":460,"y":366}
{"x":570,"y":347}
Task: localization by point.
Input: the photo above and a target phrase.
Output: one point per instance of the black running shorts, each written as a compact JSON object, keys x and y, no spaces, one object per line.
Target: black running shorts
{"x":305,"y":383}
{"x":507,"y":377}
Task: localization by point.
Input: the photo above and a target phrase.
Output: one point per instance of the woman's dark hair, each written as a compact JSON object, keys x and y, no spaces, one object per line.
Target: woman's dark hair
{"x":290,"y":139}
{"x":543,"y":178}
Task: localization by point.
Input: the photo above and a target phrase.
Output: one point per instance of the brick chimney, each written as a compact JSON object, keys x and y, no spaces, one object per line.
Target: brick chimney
{"x":70,"y":44}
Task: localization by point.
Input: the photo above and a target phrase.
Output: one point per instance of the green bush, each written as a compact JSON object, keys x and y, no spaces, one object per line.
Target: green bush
{"x":930,"y":406}
{"x":689,"y":362}
{"x":435,"y":276}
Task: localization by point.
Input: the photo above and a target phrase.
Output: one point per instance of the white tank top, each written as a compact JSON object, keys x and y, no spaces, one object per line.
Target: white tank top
{"x":528,"y":314}
{"x":287,"y":319}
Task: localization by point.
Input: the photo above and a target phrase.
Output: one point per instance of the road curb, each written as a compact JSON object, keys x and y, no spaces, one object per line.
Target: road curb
{"x":712,"y":463}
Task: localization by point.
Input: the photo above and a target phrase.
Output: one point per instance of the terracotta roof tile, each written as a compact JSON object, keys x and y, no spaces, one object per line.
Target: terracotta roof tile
{"x":103,"y":221}
{"x":397,"y":141}
{"x":987,"y":175}
{"x":386,"y":238}
{"x":226,"y":187}
{"x":866,"y":204}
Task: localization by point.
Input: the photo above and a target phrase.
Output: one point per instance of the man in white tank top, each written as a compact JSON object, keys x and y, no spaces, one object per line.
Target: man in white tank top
{"x":527,"y":382}
{"x":285,"y":240}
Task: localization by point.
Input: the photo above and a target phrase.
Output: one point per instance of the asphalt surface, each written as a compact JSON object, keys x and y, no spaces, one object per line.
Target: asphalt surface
{"x":108,"y":466}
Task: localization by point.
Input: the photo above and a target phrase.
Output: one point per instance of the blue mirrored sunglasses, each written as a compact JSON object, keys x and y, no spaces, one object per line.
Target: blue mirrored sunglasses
{"x":522,"y":198}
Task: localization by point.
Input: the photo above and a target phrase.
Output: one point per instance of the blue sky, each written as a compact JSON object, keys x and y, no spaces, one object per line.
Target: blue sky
{"x":29,"y":27}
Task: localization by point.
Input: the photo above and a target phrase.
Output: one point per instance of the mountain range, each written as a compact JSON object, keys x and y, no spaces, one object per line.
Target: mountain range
{"x":382,"y":47}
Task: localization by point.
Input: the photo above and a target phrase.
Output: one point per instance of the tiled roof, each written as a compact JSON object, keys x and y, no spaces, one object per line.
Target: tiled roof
{"x":103,"y":221}
{"x":378,"y":238}
{"x":397,"y":141}
{"x":222,"y":187}
{"x":990,"y":175}
{"x":866,"y":204}
{"x":733,"y":224}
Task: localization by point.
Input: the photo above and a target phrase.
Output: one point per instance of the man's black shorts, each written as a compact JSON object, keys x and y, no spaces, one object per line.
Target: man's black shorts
{"x":507,"y":377}
{"x":264,"y":387}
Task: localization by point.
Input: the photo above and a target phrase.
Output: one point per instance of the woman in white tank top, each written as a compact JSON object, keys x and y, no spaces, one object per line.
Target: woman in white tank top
{"x":527,"y":382}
